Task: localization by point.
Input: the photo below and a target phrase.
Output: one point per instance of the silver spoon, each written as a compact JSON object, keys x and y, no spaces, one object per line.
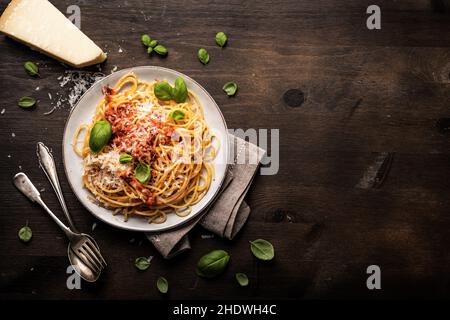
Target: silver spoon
{"x":83,"y":255}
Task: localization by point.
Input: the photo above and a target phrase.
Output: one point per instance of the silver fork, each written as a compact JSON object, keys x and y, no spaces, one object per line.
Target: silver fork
{"x":88,"y":247}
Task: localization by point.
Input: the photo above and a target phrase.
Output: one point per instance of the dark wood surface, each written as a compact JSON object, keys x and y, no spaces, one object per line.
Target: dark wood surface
{"x":366,"y":94}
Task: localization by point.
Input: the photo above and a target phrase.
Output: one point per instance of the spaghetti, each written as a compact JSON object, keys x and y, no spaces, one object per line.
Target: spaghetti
{"x":176,"y":149}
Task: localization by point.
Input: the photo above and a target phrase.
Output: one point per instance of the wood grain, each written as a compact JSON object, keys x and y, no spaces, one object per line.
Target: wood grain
{"x":365,"y":93}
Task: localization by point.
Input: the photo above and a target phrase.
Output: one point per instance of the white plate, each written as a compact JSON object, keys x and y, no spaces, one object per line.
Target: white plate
{"x":83,"y":113}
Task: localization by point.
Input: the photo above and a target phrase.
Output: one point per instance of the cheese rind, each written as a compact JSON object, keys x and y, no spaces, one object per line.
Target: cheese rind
{"x":40,"y":25}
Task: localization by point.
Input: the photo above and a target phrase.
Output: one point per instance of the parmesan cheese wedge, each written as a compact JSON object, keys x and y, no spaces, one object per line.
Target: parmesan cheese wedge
{"x":40,"y":25}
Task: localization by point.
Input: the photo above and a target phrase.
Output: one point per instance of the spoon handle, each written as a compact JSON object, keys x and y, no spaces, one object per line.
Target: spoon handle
{"x":23,"y":183}
{"x":48,"y":166}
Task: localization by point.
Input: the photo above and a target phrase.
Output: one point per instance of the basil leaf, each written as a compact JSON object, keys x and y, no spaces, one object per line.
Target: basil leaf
{"x":180,"y":92}
{"x":203,"y":55}
{"x":230,"y":88}
{"x":153,"y":43}
{"x":161,"y":50}
{"x":162,"y":284}
{"x":163,"y":91}
{"x":212,"y":264}
{"x":262,"y":249}
{"x":26,"y":102}
{"x":221,"y":39}
{"x":100,"y":134}
{"x":125,"y":158}
{"x":177,"y":115}
{"x":25,"y":234}
{"x":142,"y":263}
{"x":31,"y":68}
{"x":145,"y":39}
{"x":142,"y":172}
{"x":242,"y":279}
{"x":149,"y":50}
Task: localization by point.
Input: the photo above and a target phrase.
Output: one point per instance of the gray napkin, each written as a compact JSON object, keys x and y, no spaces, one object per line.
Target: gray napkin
{"x":228,"y":213}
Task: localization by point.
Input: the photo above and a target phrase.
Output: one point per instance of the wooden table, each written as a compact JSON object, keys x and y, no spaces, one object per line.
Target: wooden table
{"x":365,"y":102}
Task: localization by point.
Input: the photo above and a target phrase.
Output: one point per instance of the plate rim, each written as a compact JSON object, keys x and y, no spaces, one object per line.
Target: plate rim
{"x":189,"y":217}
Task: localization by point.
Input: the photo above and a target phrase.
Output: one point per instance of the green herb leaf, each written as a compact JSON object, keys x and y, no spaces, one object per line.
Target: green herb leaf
{"x":25,"y":234}
{"x":145,"y":39}
{"x":125,"y":158}
{"x":149,"y":50}
{"x":230,"y":88}
{"x":153,"y":43}
{"x":212,"y":264}
{"x":100,"y":134}
{"x":162,"y":284}
{"x":161,"y":50}
{"x":163,"y":91}
{"x":142,"y":173}
{"x":179,"y":92}
{"x":221,"y":39}
{"x":31,"y":68}
{"x":262,"y":249}
{"x":203,"y":55}
{"x":26,"y":102}
{"x":242,"y":279}
{"x":177,"y":115}
{"x":142,"y":263}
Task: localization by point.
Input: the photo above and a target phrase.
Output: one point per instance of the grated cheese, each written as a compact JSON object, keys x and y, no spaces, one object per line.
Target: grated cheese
{"x":74,"y":83}
{"x":105,"y":168}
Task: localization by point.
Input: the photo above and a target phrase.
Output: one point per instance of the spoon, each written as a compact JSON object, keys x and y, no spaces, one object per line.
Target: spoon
{"x":83,"y":254}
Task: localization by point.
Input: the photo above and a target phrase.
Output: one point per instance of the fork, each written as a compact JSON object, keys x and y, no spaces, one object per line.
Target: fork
{"x":85,"y":245}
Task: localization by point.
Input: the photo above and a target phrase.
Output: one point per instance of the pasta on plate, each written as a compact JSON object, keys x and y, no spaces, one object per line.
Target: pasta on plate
{"x":157,"y":153}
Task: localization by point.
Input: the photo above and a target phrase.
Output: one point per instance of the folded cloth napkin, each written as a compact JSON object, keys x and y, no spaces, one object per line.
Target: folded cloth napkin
{"x":228,"y":213}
